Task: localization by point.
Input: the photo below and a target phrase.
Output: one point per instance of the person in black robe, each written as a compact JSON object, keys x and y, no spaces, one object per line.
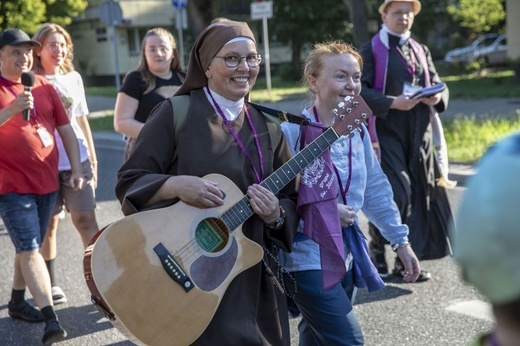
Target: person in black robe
{"x":404,"y":133}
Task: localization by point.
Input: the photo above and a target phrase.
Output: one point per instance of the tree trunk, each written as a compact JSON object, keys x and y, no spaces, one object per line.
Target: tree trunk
{"x":358,"y":17}
{"x":296,"y":61}
{"x":196,"y":17}
{"x":201,"y":13}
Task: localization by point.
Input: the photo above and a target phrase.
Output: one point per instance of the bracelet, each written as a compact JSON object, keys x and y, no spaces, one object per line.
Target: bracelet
{"x":278,"y":223}
{"x":400,"y":245}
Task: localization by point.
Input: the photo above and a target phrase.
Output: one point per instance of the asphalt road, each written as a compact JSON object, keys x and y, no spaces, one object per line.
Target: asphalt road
{"x":443,"y":311}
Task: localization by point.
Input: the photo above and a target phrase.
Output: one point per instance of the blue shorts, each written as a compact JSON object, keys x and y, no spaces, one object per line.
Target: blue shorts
{"x":26,"y":218}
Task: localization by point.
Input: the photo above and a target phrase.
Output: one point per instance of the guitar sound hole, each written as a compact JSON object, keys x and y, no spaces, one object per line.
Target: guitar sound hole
{"x":212,"y":235}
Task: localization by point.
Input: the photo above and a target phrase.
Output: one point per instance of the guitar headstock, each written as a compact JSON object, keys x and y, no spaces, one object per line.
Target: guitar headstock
{"x":350,"y":114}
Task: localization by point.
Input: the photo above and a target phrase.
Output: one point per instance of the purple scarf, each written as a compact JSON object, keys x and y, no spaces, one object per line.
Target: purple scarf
{"x":317,"y":204}
{"x":380,"y":47}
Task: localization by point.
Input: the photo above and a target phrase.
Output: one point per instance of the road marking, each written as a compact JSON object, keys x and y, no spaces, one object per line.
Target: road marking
{"x":474,"y":308}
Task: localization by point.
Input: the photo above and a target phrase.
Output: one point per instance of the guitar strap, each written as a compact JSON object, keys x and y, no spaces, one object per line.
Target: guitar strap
{"x":181,"y":104}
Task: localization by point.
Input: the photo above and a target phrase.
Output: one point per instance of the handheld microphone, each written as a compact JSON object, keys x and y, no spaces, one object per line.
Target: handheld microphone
{"x":28,"y":82}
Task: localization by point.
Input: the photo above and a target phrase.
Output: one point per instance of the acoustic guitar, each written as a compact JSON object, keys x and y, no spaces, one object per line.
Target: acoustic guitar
{"x":160,"y":275}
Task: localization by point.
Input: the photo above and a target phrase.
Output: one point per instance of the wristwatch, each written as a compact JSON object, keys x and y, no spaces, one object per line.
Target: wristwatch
{"x":278,"y":223}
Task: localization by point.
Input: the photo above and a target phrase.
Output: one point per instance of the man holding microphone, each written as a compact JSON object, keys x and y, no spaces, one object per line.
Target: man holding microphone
{"x":29,"y":174}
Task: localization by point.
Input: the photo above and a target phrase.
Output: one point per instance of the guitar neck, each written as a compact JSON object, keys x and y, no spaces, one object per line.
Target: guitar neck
{"x":241,"y":211}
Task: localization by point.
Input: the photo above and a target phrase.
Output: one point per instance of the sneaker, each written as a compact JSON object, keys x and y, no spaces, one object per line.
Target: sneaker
{"x":423,"y":275}
{"x":61,"y":215}
{"x":58,"y":297}
{"x":53,"y":332}
{"x":25,"y":312}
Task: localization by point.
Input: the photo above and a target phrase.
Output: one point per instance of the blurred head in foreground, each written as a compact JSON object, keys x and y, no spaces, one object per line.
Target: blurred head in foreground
{"x":486,"y":239}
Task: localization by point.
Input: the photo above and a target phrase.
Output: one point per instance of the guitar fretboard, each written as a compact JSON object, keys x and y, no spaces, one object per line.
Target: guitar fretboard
{"x":241,"y":211}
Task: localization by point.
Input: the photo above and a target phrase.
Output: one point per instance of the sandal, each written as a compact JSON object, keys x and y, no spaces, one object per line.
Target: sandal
{"x":25,"y":312}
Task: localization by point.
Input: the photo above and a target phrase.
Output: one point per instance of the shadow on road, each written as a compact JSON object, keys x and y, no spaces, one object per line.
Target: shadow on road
{"x":389,"y":292}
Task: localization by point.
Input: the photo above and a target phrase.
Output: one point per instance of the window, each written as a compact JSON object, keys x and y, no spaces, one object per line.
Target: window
{"x":135,"y":37}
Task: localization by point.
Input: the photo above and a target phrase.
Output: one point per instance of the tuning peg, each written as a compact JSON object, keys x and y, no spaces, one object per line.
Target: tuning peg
{"x":334,"y":111}
{"x":348,"y":110}
{"x":357,"y":121}
{"x":347,"y":98}
{"x":364,"y":115}
{"x":351,"y":134}
{"x":341,"y":105}
{"x":355,"y":103}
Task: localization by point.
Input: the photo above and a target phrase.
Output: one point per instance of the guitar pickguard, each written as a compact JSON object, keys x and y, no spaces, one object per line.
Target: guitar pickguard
{"x":209,"y":272}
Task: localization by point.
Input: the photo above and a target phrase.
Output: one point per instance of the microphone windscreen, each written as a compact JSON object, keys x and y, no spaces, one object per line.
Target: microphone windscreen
{"x":27,"y":79}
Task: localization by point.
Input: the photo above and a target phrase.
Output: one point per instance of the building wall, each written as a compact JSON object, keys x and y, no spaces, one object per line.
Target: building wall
{"x":94,"y":41}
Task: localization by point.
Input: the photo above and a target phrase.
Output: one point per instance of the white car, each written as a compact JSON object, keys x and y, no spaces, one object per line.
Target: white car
{"x":495,"y":53}
{"x":468,"y":54}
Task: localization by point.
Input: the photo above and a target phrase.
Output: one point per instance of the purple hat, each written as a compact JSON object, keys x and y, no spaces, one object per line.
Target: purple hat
{"x":15,"y":37}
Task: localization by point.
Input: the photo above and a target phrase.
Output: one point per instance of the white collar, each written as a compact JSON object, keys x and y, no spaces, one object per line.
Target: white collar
{"x":231,"y":109}
{"x":403,"y":37}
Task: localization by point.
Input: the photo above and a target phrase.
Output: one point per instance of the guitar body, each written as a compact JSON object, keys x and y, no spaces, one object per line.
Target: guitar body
{"x":144,"y":299}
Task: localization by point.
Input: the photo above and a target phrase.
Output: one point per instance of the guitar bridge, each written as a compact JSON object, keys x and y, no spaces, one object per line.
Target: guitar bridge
{"x":172,"y":268}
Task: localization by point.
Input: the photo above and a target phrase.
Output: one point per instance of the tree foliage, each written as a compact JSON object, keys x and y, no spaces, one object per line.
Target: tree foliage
{"x":309,"y":21}
{"x":23,"y":14}
{"x":202,"y":12}
{"x":28,"y":15}
{"x":62,"y":11}
{"x":479,"y":16}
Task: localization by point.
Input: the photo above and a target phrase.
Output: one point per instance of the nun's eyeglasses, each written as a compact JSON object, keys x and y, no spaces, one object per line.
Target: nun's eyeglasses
{"x":233,"y":60}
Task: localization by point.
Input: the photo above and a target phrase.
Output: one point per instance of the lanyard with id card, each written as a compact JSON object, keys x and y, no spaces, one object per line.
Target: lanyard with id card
{"x":44,"y":135}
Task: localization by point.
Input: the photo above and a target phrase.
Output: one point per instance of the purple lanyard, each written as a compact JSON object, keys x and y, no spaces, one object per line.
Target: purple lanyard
{"x":411,"y":69}
{"x":6,"y":84}
{"x":343,"y":190}
{"x":237,"y":139}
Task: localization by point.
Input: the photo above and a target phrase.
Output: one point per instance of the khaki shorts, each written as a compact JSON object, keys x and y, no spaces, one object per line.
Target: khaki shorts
{"x":82,"y":200}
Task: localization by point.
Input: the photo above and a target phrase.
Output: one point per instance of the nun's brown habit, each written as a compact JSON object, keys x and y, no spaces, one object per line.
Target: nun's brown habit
{"x":253,"y":310}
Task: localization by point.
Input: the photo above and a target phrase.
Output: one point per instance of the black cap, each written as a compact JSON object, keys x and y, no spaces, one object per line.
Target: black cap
{"x":15,"y":37}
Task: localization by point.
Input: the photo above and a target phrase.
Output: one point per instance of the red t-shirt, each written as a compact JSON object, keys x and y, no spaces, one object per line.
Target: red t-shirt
{"x":26,"y":164}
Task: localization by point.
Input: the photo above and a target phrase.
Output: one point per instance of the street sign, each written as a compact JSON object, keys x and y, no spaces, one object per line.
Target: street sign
{"x":110,"y":13}
{"x":261,"y":10}
{"x":179,"y":3}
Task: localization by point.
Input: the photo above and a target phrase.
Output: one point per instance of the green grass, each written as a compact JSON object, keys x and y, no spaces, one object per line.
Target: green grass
{"x":109,"y":91}
{"x":102,"y":123}
{"x":484,"y":84}
{"x":468,"y":138}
